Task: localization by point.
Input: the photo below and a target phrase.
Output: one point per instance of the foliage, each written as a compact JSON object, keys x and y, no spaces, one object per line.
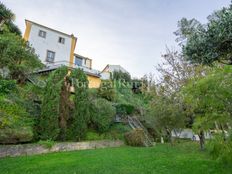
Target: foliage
{"x":13,"y":115}
{"x":121,"y":76}
{"x":50,"y":109}
{"x":107,"y":90}
{"x":102,"y":114}
{"x":210,"y":42}
{"x":6,"y":20}
{"x":7,"y":86}
{"x":16,"y":135}
{"x":93,"y":136}
{"x":221,"y":149}
{"x":15,"y":121}
{"x":17,"y":56}
{"x":165,"y":114}
{"x":175,"y":72}
{"x":81,"y":114}
{"x":125,"y":109}
{"x":210,"y":98}
{"x":47,"y":144}
{"x":135,"y":137}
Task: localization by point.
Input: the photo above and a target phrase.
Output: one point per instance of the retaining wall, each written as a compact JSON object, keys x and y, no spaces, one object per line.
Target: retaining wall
{"x":31,"y":149}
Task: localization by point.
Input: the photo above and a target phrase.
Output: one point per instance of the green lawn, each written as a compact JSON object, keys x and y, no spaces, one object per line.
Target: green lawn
{"x":161,"y":159}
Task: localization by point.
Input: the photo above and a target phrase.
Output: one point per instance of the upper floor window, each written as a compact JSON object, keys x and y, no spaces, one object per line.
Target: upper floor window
{"x":50,"y":56}
{"x":42,"y":33}
{"x":61,"y":40}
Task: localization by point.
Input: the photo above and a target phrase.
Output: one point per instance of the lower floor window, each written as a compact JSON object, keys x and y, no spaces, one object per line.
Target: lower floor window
{"x":50,"y":56}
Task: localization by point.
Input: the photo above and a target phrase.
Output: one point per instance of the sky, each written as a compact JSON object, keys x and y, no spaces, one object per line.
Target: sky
{"x":130,"y":33}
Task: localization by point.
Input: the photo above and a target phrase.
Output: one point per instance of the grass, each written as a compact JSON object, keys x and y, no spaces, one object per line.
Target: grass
{"x":161,"y":159}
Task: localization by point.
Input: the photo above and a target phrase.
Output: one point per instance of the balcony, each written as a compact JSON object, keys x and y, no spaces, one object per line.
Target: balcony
{"x":55,"y":65}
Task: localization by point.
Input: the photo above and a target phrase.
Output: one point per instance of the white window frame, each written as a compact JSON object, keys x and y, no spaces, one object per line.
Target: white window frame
{"x":48,"y":59}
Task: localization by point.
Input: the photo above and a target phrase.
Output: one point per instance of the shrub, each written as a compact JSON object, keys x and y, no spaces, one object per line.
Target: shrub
{"x":92,"y":135}
{"x":16,"y":135}
{"x":221,"y":149}
{"x":117,"y":131}
{"x":135,"y":137}
{"x":102,"y":114}
{"x":107,"y":90}
{"x":13,"y":115}
{"x":125,"y":109}
{"x":47,"y":143}
{"x":6,"y":86}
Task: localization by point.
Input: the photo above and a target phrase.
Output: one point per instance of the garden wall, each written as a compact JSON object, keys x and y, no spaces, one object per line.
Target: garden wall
{"x":31,"y":149}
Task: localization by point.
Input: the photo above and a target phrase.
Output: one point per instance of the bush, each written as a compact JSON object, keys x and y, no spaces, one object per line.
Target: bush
{"x":92,"y":135}
{"x":6,"y":86}
{"x":125,"y":109}
{"x":16,"y":135}
{"x":221,"y":149}
{"x":135,"y":137}
{"x":107,"y":90}
{"x":13,"y":115}
{"x":102,"y":114}
{"x":47,"y":143}
{"x":117,"y":131}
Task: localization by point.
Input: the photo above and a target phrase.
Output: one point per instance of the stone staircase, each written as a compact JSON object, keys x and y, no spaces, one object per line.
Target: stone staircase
{"x":134,"y":123}
{"x":36,"y":81}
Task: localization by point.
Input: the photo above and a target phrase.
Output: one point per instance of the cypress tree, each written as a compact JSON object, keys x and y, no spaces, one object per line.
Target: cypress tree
{"x":50,"y":109}
{"x":81,"y":105}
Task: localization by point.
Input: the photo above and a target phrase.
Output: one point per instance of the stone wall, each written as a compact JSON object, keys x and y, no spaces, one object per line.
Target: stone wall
{"x":31,"y":149}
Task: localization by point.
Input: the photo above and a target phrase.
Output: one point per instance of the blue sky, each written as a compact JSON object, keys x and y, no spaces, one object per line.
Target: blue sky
{"x":132,"y":33}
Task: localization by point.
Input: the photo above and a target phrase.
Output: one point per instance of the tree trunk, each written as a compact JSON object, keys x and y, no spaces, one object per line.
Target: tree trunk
{"x":202,"y":139}
{"x":169,"y":135}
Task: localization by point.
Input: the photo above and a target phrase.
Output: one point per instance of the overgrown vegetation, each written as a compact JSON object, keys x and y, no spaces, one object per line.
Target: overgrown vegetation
{"x":188,"y":93}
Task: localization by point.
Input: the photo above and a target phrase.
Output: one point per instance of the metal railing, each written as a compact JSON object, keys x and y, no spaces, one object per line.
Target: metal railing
{"x":55,"y":65}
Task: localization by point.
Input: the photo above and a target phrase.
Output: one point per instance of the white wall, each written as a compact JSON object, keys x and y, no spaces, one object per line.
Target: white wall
{"x":105,"y":75}
{"x":41,"y":45}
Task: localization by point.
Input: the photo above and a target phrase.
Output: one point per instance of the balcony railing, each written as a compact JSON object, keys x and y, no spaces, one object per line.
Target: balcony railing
{"x":55,"y":65}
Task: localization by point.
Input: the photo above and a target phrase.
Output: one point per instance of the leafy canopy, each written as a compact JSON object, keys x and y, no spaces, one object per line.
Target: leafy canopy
{"x":210,"y":42}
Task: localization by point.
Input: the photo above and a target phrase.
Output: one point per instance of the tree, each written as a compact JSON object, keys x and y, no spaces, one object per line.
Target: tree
{"x":81,"y":113}
{"x":210,"y":42}
{"x":17,"y":56}
{"x":175,"y":72}
{"x":6,"y":20}
{"x":121,"y":76}
{"x":51,"y":105}
{"x":210,"y":100}
{"x":165,"y":114}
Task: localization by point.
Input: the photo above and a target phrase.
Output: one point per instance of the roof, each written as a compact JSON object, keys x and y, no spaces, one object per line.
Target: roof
{"x":83,"y":57}
{"x":69,"y":35}
{"x":112,"y":68}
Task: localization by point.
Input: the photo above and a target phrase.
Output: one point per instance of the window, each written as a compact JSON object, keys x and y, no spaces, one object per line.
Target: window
{"x":50,"y":56}
{"x":61,"y":40}
{"x":78,"y":61}
{"x":42,"y":33}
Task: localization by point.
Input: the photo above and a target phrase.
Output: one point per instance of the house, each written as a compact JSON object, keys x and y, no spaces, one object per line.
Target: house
{"x":55,"y":48}
{"x":82,"y":61}
{"x":109,"y":69}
